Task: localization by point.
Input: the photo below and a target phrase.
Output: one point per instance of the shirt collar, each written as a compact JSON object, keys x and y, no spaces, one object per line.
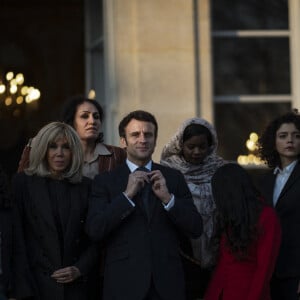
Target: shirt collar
{"x":101,"y":149}
{"x":287,"y":170}
{"x":132,"y":167}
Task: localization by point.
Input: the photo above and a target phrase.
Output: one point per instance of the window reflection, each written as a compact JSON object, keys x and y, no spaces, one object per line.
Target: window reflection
{"x":235,"y":121}
{"x":251,"y":66}
{"x":250,"y":14}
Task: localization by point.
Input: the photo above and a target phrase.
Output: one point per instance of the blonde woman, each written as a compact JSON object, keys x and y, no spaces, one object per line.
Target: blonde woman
{"x":53,"y":255}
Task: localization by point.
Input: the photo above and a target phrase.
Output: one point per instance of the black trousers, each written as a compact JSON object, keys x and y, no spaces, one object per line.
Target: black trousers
{"x":284,"y":288}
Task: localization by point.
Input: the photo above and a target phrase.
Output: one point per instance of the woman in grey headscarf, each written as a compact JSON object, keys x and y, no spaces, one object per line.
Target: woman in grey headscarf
{"x":192,"y":150}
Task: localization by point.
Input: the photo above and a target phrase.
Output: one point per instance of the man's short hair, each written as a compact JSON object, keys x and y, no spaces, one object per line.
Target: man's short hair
{"x":139,"y":115}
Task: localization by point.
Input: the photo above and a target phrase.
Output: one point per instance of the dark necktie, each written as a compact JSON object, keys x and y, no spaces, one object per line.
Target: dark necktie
{"x":145,"y":192}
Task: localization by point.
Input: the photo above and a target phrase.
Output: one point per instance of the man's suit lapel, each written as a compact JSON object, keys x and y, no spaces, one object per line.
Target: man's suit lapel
{"x":120,"y":178}
{"x":292,"y":179}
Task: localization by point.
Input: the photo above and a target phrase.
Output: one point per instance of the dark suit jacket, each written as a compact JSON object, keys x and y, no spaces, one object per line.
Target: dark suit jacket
{"x":141,"y":248}
{"x":6,"y":249}
{"x":37,"y":253}
{"x":288,"y":210}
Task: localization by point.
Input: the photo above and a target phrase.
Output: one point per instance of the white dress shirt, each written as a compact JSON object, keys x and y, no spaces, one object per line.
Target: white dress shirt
{"x":281,"y":179}
{"x":132,"y":167}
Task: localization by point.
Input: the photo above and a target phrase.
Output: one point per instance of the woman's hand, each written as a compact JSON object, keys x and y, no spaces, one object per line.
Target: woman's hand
{"x":66,"y":275}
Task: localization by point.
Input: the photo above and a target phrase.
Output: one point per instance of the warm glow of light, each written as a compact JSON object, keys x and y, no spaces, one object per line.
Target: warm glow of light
{"x":20,"y":79}
{"x":14,"y":94}
{"x":251,"y":158}
{"x":8,"y":101}
{"x":13,"y":89}
{"x":257,"y":161}
{"x":242,"y":159}
{"x":253,"y":137}
{"x":27,"y":99}
{"x":92,"y":94}
{"x":33,"y":94}
{"x":2,"y":88}
{"x":20,"y":100}
{"x":24,"y":90}
{"x":250,"y":145}
{"x":9,"y":76}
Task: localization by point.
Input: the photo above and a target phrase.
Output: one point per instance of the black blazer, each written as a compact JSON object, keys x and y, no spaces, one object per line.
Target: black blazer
{"x":141,"y":248}
{"x":37,"y":251}
{"x":6,"y":250}
{"x":288,"y":210}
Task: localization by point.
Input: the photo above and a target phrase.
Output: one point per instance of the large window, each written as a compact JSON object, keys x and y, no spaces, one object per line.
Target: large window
{"x":94,"y":46}
{"x":251,"y":68}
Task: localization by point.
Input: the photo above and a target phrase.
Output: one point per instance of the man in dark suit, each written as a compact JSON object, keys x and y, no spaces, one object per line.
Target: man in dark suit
{"x":140,"y":215}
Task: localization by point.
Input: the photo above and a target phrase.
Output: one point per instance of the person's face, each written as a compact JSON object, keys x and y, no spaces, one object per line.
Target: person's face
{"x":59,"y":156}
{"x":139,"y":141}
{"x":287,"y":143}
{"x":87,"y":121}
{"x":195,"y":149}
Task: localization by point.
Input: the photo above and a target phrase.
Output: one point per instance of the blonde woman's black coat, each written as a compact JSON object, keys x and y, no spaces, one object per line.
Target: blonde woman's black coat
{"x":37,"y":247}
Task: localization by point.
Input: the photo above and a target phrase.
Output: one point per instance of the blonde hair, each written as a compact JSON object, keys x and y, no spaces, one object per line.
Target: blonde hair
{"x":38,"y":163}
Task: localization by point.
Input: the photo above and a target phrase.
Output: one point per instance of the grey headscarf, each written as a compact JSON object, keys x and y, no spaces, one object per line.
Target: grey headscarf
{"x":198,"y":178}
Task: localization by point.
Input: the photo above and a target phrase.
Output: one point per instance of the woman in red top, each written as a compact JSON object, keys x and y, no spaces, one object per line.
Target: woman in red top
{"x":249,"y":234}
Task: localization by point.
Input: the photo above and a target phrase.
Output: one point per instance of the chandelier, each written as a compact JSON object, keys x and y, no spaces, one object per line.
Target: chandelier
{"x":14,"y":95}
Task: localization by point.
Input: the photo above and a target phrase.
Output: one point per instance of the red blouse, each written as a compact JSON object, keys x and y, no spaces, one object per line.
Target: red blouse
{"x":248,"y":279}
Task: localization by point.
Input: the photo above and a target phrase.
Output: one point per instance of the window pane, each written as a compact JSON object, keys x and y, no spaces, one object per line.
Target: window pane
{"x":95,"y":19}
{"x":251,"y":66}
{"x":250,"y":14}
{"x":97,"y":73}
{"x":234,"y":123}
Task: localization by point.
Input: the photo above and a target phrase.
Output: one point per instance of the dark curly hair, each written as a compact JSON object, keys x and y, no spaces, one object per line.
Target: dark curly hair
{"x":238,"y":207}
{"x":267,"y":142}
{"x":70,"y":108}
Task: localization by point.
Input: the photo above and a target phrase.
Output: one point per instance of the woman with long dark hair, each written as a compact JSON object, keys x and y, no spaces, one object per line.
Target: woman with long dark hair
{"x":248,"y":233}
